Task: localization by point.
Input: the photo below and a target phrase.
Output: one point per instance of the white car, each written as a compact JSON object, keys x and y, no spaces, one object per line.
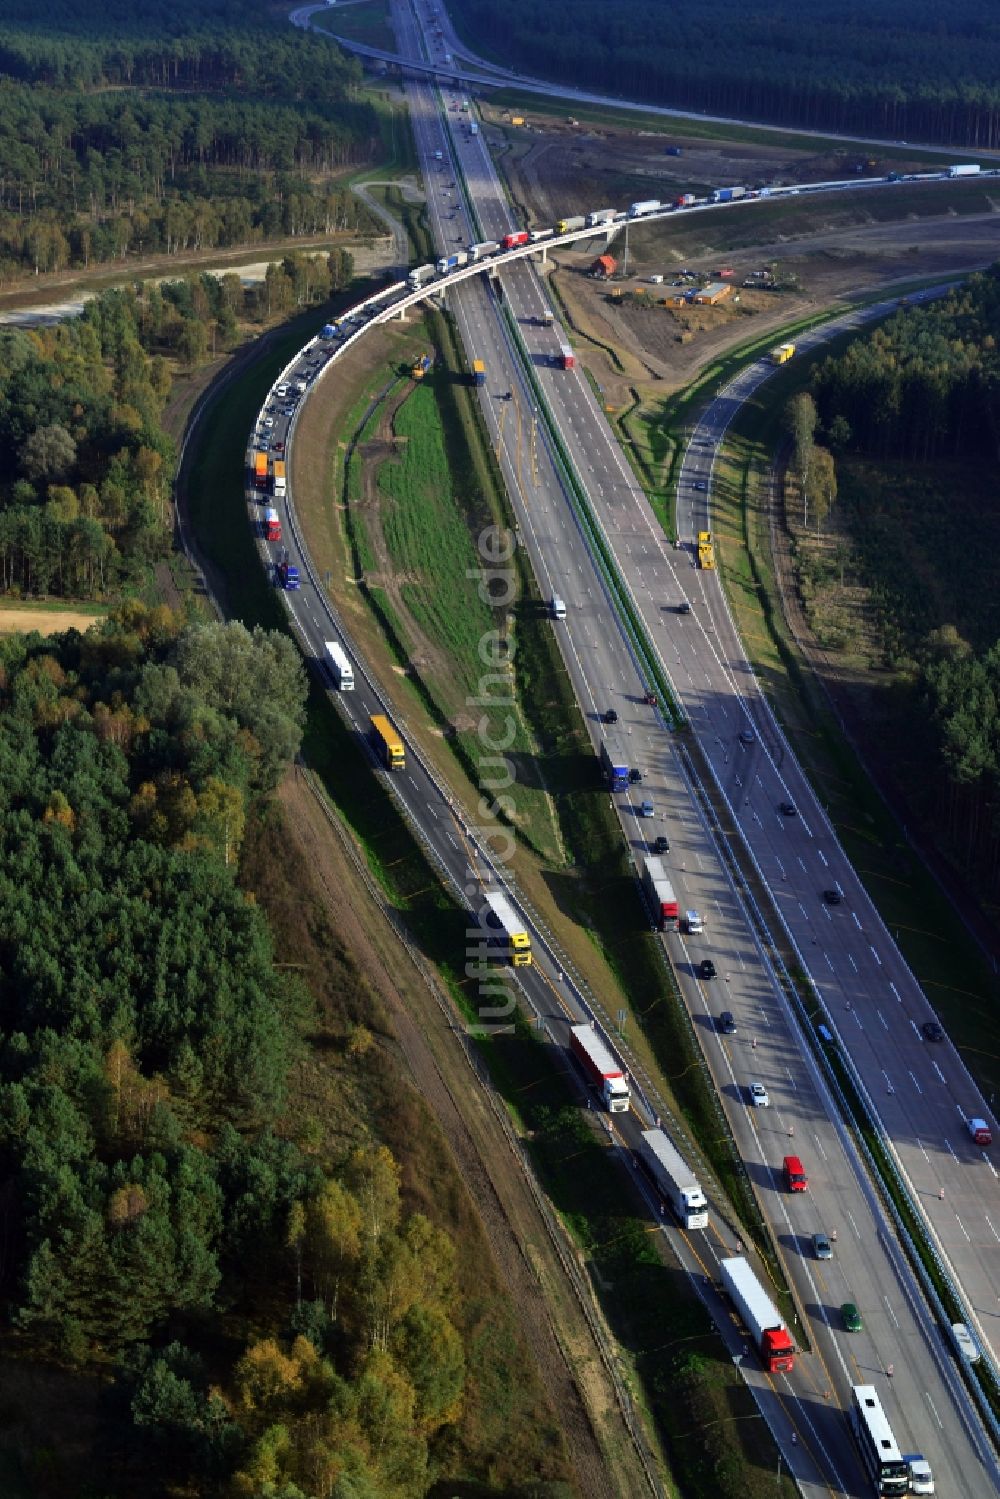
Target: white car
{"x":965,"y":1342}
{"x":758,"y":1096}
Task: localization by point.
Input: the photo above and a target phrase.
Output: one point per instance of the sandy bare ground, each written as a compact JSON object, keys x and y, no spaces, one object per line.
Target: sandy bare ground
{"x":45,"y":621}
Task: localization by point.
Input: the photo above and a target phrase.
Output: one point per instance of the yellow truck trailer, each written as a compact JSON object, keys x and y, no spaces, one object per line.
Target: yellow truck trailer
{"x":387,"y":743}
{"x":706,"y":550}
{"x":782,"y":354}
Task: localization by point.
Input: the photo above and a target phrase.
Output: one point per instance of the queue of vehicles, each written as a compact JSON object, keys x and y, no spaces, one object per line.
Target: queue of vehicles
{"x":676,"y":1184}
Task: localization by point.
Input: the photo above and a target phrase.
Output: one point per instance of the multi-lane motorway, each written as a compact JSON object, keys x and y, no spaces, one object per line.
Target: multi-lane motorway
{"x":852,"y":959}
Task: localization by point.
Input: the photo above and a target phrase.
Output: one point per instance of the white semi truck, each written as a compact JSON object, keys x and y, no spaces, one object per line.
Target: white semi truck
{"x":674,"y":1179}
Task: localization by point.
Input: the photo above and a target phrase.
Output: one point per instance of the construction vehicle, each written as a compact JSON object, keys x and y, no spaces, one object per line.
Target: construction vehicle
{"x":706,"y":551}
{"x":421,"y":366}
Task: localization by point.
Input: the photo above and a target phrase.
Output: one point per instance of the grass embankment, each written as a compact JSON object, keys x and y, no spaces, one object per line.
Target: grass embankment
{"x":602,"y":892}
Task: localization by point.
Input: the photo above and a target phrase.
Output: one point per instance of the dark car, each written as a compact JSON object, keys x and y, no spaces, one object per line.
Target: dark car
{"x":662,"y":844}
{"x":698,"y":484}
{"x":832,"y":897}
{"x":851,"y":1317}
{"x":932,"y":1031}
{"x":610,"y":715}
{"x":747,"y":736}
{"x":706,"y":969}
{"x":727,"y":1023}
{"x":684,"y":607}
{"x":787,"y":809}
{"x":634,"y":776}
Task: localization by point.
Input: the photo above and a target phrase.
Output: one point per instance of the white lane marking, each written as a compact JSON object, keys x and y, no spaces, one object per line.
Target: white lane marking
{"x":916,"y":1085}
{"x":889,"y":1309}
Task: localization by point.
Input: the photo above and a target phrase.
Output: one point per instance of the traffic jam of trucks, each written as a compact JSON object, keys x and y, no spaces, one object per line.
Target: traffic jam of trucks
{"x":504,"y":929}
{"x":609,"y":219}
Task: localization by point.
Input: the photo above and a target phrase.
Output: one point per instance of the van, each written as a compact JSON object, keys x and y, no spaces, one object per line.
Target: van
{"x":921,"y":1477}
{"x":795,"y":1175}
{"x":693,"y":923}
{"x":557,"y":608}
{"x":965,"y":1342}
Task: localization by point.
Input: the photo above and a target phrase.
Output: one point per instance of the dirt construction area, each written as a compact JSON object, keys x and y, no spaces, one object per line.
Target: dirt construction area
{"x":814,"y":250}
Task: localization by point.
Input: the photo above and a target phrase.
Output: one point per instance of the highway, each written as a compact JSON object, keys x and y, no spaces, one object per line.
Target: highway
{"x":703,"y":656}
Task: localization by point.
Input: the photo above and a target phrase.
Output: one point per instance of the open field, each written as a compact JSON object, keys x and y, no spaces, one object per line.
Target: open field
{"x":46,"y":619}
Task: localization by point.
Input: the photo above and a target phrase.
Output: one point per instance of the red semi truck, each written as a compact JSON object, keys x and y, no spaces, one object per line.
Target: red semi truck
{"x":601,"y":1066}
{"x":759,"y":1315}
{"x":659,"y":893}
{"x":567,"y":359}
{"x":272,"y":525}
{"x":518,"y":237}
